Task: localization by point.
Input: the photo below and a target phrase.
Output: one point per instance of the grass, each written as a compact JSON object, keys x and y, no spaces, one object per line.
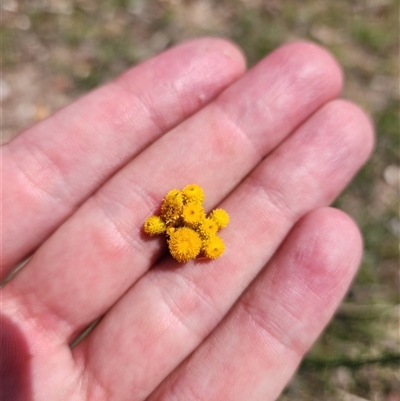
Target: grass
{"x":103,"y":39}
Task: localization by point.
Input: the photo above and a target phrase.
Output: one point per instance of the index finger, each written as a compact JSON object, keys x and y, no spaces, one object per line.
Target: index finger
{"x":51,"y":168}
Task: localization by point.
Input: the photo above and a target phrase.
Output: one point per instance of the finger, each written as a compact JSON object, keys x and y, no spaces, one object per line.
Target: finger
{"x":54,"y":166}
{"x":171,"y":309}
{"x":256,"y":349}
{"x":95,"y":257}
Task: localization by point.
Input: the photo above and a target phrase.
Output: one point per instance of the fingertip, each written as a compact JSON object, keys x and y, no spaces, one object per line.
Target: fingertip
{"x":349,"y":133}
{"x":332,"y":241}
{"x":229,"y":50}
{"x":214,"y":62}
{"x":315,"y":65}
{"x":362,"y":126}
{"x":321,"y":59}
{"x":215,"y":54}
{"x":336,"y":222}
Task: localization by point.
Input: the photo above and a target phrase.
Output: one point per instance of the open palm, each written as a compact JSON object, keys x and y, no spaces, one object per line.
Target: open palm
{"x":271,"y":146}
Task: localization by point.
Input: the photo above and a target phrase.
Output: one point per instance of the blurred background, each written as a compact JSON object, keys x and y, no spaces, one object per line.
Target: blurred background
{"x":55,"y":50}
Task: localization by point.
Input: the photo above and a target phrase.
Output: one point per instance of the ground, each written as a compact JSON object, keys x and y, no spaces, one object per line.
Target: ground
{"x":55,"y":50}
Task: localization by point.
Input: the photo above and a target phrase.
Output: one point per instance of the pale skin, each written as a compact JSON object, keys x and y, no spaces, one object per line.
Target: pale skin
{"x":272,"y":146}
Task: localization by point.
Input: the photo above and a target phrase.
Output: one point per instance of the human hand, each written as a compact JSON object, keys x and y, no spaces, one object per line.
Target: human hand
{"x":274,"y":147}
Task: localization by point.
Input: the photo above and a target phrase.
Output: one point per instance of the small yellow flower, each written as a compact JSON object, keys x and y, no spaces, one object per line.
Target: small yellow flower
{"x":188,"y":230}
{"x":171,"y":207}
{"x":193,"y":193}
{"x":184,"y":244}
{"x":154,"y":225}
{"x":213,"y":247}
{"x":220,"y":216}
{"x":207,"y":228}
{"x":193,"y":214}
{"x":170,"y":230}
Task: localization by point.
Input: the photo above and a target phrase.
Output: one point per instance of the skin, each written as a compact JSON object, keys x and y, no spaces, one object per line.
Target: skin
{"x":272,"y":146}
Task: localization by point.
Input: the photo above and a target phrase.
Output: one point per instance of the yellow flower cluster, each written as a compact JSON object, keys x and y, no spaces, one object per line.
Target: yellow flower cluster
{"x":190,"y":232}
